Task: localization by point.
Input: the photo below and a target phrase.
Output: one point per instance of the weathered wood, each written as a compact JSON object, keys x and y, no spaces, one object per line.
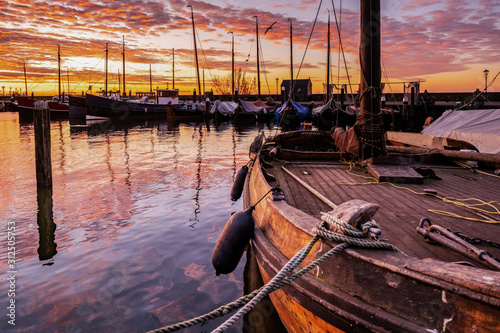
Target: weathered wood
{"x":463,"y":155}
{"x":394,"y":291}
{"x":395,"y":173}
{"x":41,"y":122}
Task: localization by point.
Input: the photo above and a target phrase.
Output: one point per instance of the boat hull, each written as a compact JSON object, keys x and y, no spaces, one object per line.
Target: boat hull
{"x":77,"y":107}
{"x":363,"y":289}
{"x":104,"y":107}
{"x":25,"y":107}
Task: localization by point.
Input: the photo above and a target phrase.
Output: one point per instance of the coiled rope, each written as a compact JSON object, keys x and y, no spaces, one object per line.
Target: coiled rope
{"x":351,"y":237}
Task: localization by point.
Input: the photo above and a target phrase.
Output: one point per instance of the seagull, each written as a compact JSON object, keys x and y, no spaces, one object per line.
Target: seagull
{"x":270,"y":27}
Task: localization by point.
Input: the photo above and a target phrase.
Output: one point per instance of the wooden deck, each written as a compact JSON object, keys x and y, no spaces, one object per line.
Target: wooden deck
{"x":402,"y":206}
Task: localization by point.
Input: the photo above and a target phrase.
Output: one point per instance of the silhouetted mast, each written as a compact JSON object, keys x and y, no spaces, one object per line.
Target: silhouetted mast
{"x":291,"y":60}
{"x":123,"y":54}
{"x":25,"y":79}
{"x":196,"y":53}
{"x":328,"y":64}
{"x":372,"y":131}
{"x":106,"y":80}
{"x":258,"y":55}
{"x":59,"y":70}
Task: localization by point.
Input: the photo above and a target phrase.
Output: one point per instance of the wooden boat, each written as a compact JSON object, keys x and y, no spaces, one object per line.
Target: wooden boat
{"x":57,"y":109}
{"x":441,"y":217}
{"x":77,"y":107}
{"x":106,"y":107}
{"x":58,"y":106}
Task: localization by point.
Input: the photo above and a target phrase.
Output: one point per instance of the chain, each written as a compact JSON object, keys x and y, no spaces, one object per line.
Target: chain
{"x":476,"y":240}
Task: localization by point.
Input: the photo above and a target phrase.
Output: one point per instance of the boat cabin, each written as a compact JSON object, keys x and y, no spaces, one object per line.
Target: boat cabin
{"x":168,"y":95}
{"x":145,"y":97}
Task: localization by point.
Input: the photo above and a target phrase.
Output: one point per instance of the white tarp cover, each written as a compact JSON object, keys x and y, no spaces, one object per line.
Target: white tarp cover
{"x":253,"y":107}
{"x":224,"y":108}
{"x":478,"y":127}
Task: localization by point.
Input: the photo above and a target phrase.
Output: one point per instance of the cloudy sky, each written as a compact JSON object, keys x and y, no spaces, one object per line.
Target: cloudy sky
{"x":446,"y":43}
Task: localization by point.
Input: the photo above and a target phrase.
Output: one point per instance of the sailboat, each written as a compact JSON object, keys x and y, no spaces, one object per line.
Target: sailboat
{"x":111,"y":105}
{"x":57,"y":106}
{"x":350,"y":238}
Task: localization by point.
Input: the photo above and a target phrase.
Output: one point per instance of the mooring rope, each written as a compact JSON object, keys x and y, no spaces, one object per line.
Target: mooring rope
{"x":290,"y":266}
{"x":351,"y":236}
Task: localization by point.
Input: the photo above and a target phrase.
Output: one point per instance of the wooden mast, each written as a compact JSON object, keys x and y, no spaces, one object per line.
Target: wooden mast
{"x":106,"y":68}
{"x":196,"y":53}
{"x":328,"y":63}
{"x":370,"y":122}
{"x":150,"y":80}
{"x":173,"y":68}
{"x":258,"y":55}
{"x":25,"y":79}
{"x":291,"y":60}
{"x":232,"y":65}
{"x":59,"y":71}
{"x":123,"y":54}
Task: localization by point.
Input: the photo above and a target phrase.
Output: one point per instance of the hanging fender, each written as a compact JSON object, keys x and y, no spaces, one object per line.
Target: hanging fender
{"x":232,"y":242}
{"x":239,"y":182}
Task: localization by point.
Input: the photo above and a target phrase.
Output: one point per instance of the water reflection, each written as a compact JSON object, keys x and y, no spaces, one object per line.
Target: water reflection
{"x":114,"y":233}
{"x":199,"y":161}
{"x":46,"y":226}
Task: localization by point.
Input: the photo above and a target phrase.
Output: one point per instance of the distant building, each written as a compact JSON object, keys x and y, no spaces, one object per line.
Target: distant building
{"x":302,"y":91}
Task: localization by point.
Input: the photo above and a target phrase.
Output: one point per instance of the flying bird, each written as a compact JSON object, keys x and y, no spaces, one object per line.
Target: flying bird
{"x":270,"y":27}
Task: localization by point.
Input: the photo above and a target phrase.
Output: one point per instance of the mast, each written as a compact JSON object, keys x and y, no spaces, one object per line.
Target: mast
{"x":123,"y":54}
{"x":25,"y":80}
{"x":328,"y":63}
{"x":59,"y":70}
{"x":106,"y":80}
{"x":291,"y":61}
{"x":196,"y":53}
{"x":232,"y":64}
{"x":67,"y":72}
{"x":372,"y":131}
{"x":150,"y":80}
{"x":173,"y":68}
{"x":258,"y":55}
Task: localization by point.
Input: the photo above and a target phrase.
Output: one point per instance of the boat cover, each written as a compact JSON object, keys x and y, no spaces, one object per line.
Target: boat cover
{"x":224,"y":108}
{"x":478,"y":127}
{"x":316,"y":112}
{"x":302,"y":111}
{"x":253,"y":107}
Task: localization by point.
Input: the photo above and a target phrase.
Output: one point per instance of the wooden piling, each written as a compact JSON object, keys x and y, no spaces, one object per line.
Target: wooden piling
{"x":41,"y":122}
{"x":47,"y":248}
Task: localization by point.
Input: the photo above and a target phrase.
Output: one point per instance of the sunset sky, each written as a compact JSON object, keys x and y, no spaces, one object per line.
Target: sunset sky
{"x":446,"y":43}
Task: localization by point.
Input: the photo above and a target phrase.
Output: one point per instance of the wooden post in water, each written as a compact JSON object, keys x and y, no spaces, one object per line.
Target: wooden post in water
{"x":41,"y":122}
{"x":46,"y":227}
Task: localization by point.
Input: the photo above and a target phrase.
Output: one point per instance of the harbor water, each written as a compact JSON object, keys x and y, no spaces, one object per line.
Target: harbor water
{"x":123,"y":240}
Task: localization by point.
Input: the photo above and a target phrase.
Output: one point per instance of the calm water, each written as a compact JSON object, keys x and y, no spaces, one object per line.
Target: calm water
{"x":124,"y":241}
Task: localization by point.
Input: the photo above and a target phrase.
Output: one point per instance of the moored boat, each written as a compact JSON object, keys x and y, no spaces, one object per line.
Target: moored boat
{"x":113,"y":108}
{"x":413,"y":239}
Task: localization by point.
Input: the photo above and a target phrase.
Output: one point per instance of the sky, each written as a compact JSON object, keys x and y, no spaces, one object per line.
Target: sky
{"x":445,"y":44}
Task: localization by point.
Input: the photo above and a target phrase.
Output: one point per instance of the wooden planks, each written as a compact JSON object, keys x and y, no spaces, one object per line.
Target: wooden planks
{"x":395,"y":173}
{"x":402,"y":206}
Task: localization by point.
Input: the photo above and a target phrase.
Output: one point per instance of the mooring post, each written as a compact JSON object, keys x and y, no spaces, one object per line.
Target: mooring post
{"x":41,"y":122}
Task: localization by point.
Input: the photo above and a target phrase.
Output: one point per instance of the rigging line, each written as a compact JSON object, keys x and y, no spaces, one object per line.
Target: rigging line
{"x":482,"y":92}
{"x":340,"y":33}
{"x":264,"y":68}
{"x":388,"y":83}
{"x":246,"y":65}
{"x":204,"y":57}
{"x":342,"y":48}
{"x":307,"y":46}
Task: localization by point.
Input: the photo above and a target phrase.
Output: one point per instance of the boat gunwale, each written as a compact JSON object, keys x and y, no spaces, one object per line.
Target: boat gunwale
{"x":398,"y":264}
